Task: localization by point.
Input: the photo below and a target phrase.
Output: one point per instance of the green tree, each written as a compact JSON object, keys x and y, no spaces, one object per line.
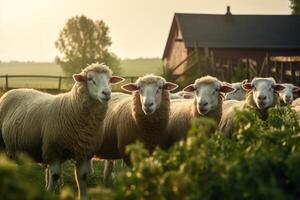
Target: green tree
{"x":295,"y":6}
{"x":83,"y":41}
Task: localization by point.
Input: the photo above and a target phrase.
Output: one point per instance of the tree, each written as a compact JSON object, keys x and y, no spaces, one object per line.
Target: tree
{"x":295,"y":6}
{"x":83,"y":41}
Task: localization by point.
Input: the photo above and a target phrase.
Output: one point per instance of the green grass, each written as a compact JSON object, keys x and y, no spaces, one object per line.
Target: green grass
{"x":129,"y":67}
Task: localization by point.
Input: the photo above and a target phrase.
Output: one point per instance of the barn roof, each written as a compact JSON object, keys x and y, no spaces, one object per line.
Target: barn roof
{"x":237,"y":31}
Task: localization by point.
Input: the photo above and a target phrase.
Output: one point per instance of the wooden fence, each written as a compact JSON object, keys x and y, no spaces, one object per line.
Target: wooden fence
{"x":8,"y":79}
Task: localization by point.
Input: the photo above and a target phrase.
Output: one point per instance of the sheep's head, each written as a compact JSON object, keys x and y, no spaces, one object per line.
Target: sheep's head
{"x":150,"y":89}
{"x":207,"y":91}
{"x":263,"y":90}
{"x":287,"y":94}
{"x":238,"y":94}
{"x":97,"y":78}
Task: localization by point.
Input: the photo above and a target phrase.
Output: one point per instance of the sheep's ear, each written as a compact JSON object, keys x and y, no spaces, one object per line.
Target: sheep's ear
{"x":116,"y":79}
{"x":78,"y":77}
{"x":226,"y":88}
{"x":296,"y":89}
{"x":247,"y":86}
{"x":130,"y":87}
{"x":170,"y":86}
{"x":278,"y":87}
{"x":189,"y":88}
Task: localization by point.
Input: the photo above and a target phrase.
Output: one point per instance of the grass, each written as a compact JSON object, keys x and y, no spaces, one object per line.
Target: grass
{"x":68,"y":179}
{"x":129,"y":67}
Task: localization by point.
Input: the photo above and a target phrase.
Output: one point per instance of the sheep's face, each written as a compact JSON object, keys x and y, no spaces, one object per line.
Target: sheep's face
{"x":287,"y":94}
{"x":150,"y":90}
{"x":98,"y":84}
{"x":263,"y":91}
{"x":238,"y":94}
{"x":207,"y":95}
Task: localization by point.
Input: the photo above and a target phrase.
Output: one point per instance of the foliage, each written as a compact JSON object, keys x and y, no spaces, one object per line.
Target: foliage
{"x":17,"y":180}
{"x":295,"y":6}
{"x":83,"y":41}
{"x":260,"y":161}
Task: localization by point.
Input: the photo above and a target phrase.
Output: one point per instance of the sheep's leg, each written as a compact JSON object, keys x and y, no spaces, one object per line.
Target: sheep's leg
{"x":81,"y":172}
{"x":91,"y":168}
{"x":54,"y":175}
{"x":108,"y":168}
{"x":46,"y":176}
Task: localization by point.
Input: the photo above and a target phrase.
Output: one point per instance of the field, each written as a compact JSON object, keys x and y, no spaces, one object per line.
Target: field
{"x":129,"y":67}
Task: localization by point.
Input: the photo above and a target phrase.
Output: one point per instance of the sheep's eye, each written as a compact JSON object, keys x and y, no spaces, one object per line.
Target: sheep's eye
{"x":254,"y":88}
{"x":91,"y":79}
{"x":270,"y":89}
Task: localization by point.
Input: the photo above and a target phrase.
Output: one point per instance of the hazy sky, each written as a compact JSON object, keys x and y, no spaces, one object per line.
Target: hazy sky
{"x":139,"y":28}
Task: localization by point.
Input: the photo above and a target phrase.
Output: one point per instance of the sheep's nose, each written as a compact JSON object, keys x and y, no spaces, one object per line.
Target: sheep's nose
{"x":106,"y":93}
{"x":148,"y":104}
{"x":203,"y":103}
{"x":262,"y":97}
{"x":288,"y":97}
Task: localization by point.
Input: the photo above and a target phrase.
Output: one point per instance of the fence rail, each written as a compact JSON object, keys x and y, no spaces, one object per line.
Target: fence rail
{"x":7,"y":78}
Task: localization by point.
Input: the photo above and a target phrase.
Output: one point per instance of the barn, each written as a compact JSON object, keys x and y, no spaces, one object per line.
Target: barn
{"x":233,"y":47}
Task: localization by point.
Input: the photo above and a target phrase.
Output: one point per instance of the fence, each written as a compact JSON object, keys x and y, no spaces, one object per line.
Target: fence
{"x":42,"y":82}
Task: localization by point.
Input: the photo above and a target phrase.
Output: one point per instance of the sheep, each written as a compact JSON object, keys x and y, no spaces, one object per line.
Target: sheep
{"x":55,"y":128}
{"x":296,"y":102}
{"x":181,"y":95}
{"x":262,"y":94}
{"x":297,"y":109}
{"x":208,"y":98}
{"x":287,"y":94}
{"x":142,"y":116}
{"x":239,"y":94}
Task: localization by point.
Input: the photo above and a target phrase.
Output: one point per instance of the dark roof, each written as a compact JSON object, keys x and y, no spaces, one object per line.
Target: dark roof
{"x":239,"y":31}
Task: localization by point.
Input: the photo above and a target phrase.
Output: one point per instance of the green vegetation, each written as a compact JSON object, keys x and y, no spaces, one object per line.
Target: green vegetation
{"x":259,"y":161}
{"x":295,"y":6}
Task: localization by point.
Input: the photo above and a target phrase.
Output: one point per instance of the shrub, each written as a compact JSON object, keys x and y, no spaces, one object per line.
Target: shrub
{"x":260,"y":161}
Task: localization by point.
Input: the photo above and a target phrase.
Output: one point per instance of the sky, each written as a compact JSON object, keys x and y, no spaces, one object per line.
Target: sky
{"x":139,"y":28}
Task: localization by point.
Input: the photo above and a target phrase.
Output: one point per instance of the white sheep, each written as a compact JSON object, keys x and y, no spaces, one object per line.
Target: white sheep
{"x":287,"y":94}
{"x":55,"y":128}
{"x":142,"y":116}
{"x":181,"y":95}
{"x":262,"y":93}
{"x":238,"y":94}
{"x":208,"y":98}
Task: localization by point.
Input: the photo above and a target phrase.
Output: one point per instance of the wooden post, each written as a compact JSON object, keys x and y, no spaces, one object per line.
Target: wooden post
{"x":293,"y":74}
{"x":281,"y":72}
{"x":248,"y":71}
{"x":59,"y":83}
{"x":276,"y":71}
{"x":268,"y":64}
{"x":6,"y":82}
{"x":198,"y":56}
{"x":212,"y":62}
{"x":230,"y":70}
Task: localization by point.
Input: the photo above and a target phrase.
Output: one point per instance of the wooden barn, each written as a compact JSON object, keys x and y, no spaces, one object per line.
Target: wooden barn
{"x":233,"y":47}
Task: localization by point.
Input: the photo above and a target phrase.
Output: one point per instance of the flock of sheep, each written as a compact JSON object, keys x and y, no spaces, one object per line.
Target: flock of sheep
{"x":92,"y":122}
